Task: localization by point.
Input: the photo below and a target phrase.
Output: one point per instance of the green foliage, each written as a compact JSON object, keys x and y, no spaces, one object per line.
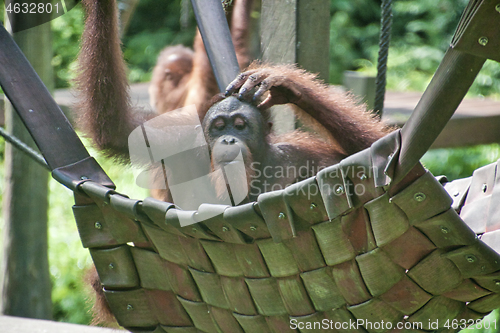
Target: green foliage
{"x":66,"y":32}
{"x":2,"y":12}
{"x":489,"y":324}
{"x":421,"y":32}
{"x":460,"y":162}
{"x":154,"y":25}
{"x":354,"y":31}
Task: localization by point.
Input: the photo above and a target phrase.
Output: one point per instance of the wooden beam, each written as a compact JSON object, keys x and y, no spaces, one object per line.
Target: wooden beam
{"x":476,"y":121}
{"x":295,"y":31}
{"x":313,"y":37}
{"x":24,"y":325}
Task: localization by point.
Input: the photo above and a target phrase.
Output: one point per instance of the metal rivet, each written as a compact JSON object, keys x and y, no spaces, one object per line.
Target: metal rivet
{"x":281,"y":216}
{"x":98,"y":225}
{"x":253,"y":228}
{"x":456,"y":194}
{"x":224,"y":229}
{"x":339,"y":189}
{"x":312,"y":206}
{"x":470,"y":258}
{"x":193,"y":229}
{"x":130,"y":307}
{"x":483,"y":41}
{"x":444,"y":229}
{"x":31,"y":110}
{"x":419,"y":197}
{"x":111,"y":266}
{"x":484,"y":188}
{"x":363,"y":176}
{"x":84,"y":178}
{"x":497,"y":282}
{"x":497,"y":8}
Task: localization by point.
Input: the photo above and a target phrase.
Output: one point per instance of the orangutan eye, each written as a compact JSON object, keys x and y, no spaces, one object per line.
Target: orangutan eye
{"x":239,"y":124}
{"x":219,"y":124}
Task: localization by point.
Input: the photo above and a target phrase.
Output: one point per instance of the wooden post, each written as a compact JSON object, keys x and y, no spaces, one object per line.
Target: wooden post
{"x":362,"y":86}
{"x":295,"y":31}
{"x":24,"y":273}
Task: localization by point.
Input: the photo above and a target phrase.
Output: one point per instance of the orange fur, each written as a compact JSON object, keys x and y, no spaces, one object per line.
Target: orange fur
{"x":106,"y":113}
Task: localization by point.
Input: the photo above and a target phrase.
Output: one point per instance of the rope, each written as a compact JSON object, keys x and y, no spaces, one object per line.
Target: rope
{"x":33,"y":154}
{"x":383,"y":52}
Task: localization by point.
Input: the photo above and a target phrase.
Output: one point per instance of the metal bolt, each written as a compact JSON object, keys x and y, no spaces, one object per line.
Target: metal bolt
{"x":497,"y":283}
{"x":130,"y":307}
{"x":253,"y":228}
{"x":193,"y":229}
{"x":470,"y":258}
{"x":31,"y":110}
{"x":313,"y":205}
{"x":281,"y":216}
{"x":444,"y":229}
{"x":484,"y":188}
{"x":419,"y":197}
{"x":84,"y":178}
{"x":111,"y":266}
{"x":363,"y":176}
{"x":339,"y":190}
{"x":98,"y":225}
{"x":497,"y":8}
{"x":224,"y":229}
{"x":483,"y":41}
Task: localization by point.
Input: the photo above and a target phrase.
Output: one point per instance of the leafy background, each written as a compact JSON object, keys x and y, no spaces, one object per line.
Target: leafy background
{"x":421,"y":33}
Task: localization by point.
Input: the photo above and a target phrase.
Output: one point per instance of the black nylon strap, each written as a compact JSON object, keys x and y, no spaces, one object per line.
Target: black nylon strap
{"x":217,"y":39}
{"x":52,"y":132}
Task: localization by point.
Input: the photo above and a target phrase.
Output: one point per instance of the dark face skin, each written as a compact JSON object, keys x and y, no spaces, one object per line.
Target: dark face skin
{"x":231,"y":126}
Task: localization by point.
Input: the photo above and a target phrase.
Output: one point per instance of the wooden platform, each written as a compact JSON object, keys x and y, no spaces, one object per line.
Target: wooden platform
{"x":477,"y":121}
{"x":25,"y":325}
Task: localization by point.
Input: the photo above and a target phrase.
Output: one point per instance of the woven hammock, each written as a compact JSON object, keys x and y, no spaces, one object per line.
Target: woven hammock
{"x":374,"y":243}
{"x":299,"y":255}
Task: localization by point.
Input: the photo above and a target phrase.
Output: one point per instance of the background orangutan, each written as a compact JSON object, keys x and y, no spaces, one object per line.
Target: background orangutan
{"x":182,"y":77}
{"x":231,"y":123}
